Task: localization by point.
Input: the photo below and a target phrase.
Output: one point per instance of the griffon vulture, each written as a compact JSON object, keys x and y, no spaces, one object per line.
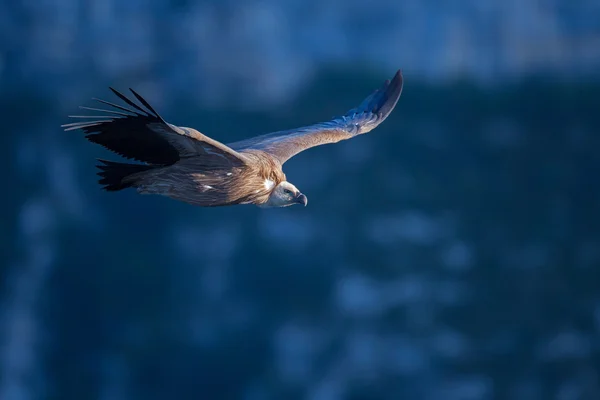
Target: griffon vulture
{"x":184,"y":164}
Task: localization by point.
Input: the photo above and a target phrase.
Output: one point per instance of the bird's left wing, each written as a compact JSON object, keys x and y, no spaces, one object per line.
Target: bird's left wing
{"x":368,"y":115}
{"x":143,"y":135}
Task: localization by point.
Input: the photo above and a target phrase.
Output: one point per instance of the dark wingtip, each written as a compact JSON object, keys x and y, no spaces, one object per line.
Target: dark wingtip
{"x":392,"y":93}
{"x":383,"y":100}
{"x":128,"y":101}
{"x":145,"y":103}
{"x":115,"y":91}
{"x":397,"y":82}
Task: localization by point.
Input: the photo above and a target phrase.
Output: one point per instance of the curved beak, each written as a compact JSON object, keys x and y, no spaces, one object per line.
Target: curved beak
{"x":301,"y":199}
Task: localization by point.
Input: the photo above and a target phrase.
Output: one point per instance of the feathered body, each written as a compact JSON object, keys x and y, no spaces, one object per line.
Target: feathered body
{"x":194,"y":181}
{"x":185,"y":165}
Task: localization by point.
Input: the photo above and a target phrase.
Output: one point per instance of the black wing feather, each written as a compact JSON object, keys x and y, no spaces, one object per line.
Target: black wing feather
{"x":126,"y":100}
{"x":145,"y":103}
{"x":127,"y":133}
{"x":143,"y":135}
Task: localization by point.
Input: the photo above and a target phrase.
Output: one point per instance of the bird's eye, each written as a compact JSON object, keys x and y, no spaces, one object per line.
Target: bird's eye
{"x":287,"y":191}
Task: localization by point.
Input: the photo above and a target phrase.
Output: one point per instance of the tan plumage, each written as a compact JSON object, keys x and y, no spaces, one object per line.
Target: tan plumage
{"x":183,"y":164}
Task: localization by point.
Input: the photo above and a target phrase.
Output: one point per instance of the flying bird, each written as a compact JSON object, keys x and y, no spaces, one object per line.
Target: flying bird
{"x":186,"y":165}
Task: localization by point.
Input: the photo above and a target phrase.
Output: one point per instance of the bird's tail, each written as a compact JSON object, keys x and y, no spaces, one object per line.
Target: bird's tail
{"x":117,"y":176}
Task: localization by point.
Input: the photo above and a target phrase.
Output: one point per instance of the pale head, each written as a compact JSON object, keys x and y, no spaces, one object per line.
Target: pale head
{"x":285,"y":194}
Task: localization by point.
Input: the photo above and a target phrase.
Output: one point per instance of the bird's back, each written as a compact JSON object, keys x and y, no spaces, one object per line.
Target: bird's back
{"x":193,"y":181}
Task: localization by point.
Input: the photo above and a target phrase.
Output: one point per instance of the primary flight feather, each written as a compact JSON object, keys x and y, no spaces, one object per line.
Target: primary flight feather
{"x":183,"y":164}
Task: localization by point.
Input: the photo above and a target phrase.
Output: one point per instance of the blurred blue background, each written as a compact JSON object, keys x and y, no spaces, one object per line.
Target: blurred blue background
{"x":451,"y":254}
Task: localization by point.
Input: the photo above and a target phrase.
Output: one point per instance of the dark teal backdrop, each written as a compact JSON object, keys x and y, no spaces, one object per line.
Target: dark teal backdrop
{"x":453,"y":253}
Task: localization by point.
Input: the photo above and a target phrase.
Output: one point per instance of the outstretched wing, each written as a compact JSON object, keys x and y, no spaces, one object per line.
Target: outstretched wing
{"x":143,"y":135}
{"x":367,"y":116}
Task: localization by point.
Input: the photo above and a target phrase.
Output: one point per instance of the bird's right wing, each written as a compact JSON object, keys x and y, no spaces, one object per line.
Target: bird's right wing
{"x":362,"y":119}
{"x":143,"y":135}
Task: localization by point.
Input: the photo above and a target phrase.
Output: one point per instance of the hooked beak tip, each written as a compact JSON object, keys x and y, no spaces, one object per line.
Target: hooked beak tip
{"x":302,"y":199}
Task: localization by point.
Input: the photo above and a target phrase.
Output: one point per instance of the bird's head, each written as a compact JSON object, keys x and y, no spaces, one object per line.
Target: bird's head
{"x":285,"y":194}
